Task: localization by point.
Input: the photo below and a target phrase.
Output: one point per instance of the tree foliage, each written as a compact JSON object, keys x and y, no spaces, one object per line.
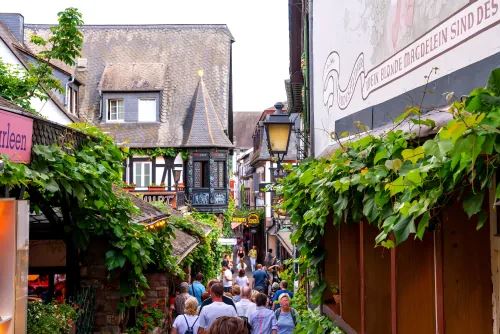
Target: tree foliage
{"x":20,"y":85}
{"x":84,"y":181}
{"x":396,"y":183}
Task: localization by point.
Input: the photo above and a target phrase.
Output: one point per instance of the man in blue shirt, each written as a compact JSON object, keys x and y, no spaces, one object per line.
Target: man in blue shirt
{"x":283,"y":289}
{"x":196,"y":289}
{"x":259,"y":278}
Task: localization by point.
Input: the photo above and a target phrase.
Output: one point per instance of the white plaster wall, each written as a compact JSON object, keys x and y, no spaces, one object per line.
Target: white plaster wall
{"x":47,"y":108}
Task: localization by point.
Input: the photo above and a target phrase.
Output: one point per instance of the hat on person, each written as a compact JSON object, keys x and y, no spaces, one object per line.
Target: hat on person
{"x":275,"y":286}
{"x":283,"y":295}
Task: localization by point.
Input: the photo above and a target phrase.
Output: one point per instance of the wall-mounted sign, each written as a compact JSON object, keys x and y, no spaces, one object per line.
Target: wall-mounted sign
{"x":253,"y":219}
{"x":383,"y":49}
{"x":165,"y":197}
{"x":227,"y":241}
{"x":16,"y":134}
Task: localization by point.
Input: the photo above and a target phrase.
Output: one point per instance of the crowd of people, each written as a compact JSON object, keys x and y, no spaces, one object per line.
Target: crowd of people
{"x":242,"y":300}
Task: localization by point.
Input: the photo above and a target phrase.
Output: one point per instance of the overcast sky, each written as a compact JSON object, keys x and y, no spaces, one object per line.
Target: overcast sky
{"x":260,"y":28}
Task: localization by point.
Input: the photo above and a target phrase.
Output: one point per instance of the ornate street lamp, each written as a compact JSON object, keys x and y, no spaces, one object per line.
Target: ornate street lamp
{"x":278,"y":128}
{"x":177,"y":177}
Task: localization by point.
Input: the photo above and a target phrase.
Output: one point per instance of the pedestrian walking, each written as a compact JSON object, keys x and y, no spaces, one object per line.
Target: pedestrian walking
{"x":227,"y":279}
{"x":263,"y":320}
{"x":181,"y":298}
{"x":236,"y":290}
{"x":286,"y":316}
{"x":241,"y":265}
{"x":240,"y":255}
{"x":283,"y":289}
{"x":228,"y":325}
{"x":259,"y":278}
{"x":252,"y":254}
{"x":208,"y":300}
{"x":196,"y":289}
{"x":242,"y":279}
{"x":270,"y":259}
{"x":245,"y":306}
{"x":187,"y":322}
{"x":216,"y":309}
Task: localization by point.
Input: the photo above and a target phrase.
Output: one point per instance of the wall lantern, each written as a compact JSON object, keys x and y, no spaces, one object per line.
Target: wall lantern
{"x":278,"y":128}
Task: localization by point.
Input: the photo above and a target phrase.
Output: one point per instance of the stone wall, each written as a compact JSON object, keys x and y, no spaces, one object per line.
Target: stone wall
{"x":93,"y":272}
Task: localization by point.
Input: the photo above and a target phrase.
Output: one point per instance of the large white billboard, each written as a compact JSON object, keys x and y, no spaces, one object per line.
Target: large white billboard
{"x":365,"y":52}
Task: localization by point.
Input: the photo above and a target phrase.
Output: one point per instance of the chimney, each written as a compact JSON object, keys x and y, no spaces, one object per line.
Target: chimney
{"x":15,"y":23}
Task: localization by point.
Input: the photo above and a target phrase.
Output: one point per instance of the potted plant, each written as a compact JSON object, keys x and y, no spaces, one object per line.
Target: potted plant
{"x":155,"y":187}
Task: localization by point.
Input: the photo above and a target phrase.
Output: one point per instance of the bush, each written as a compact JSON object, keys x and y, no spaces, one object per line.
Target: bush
{"x":50,"y":318}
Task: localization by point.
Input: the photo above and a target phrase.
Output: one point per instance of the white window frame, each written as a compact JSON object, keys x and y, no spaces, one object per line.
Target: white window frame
{"x":139,"y":110}
{"x":108,"y":111}
{"x":142,"y":177}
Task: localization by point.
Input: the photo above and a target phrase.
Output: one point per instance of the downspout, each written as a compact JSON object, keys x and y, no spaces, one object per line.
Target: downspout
{"x":100,"y":105}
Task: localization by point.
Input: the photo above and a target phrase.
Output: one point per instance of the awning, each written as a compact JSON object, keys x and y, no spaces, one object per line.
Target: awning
{"x":183,"y":244}
{"x":284,"y":238}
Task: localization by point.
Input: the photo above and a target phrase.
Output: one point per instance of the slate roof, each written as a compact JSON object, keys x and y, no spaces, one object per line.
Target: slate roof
{"x":204,"y":126}
{"x":182,"y":49}
{"x":183,"y":244}
{"x":133,"y":77}
{"x":20,"y":52}
{"x":243,"y":128}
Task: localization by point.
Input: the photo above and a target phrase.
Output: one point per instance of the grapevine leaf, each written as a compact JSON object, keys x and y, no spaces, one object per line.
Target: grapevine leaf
{"x":422,"y":225}
{"x":473,"y":203}
{"x":413,"y":154}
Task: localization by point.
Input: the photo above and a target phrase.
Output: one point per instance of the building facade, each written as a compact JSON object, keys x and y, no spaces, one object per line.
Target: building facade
{"x":364,"y":64}
{"x":164,"y":93}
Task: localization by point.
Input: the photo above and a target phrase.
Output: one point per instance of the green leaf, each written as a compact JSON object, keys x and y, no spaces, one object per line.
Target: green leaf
{"x":498,"y":191}
{"x":413,"y":154}
{"x":394,"y":165}
{"x":473,"y":203}
{"x":381,"y":154}
{"x":388,"y":244}
{"x":481,"y":219}
{"x":52,"y":186}
{"x":494,"y":82}
{"x":422,"y":225}
{"x":414,"y":177}
{"x":427,"y":122}
{"x":396,"y":186}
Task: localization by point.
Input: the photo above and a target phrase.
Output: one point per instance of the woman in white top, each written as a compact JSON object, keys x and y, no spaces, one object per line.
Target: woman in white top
{"x":242,"y":279}
{"x":188,"y":320}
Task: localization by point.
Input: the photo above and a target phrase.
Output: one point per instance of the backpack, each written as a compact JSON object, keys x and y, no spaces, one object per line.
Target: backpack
{"x":292,"y":312}
{"x":190,"y":330}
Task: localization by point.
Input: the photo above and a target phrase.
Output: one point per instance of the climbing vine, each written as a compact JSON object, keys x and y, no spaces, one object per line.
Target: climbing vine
{"x":83,"y":180}
{"x":169,"y":152}
{"x":397,"y":182}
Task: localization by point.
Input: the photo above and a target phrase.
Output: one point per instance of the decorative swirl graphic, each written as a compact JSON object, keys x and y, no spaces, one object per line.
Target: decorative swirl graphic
{"x":332,"y":93}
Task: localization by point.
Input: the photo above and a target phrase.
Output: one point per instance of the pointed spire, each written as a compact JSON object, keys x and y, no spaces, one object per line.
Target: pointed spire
{"x":207,"y":129}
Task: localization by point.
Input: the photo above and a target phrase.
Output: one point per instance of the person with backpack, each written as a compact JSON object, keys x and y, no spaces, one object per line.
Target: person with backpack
{"x":196,"y":289}
{"x":188,"y":322}
{"x":286,"y":316}
{"x":262,"y":320}
{"x":245,"y":306}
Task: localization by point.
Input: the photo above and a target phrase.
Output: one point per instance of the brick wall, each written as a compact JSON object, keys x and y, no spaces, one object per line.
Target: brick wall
{"x":93,"y":272}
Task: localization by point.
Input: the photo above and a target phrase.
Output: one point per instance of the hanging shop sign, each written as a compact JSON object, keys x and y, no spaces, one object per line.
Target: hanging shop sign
{"x":253,"y":219}
{"x":16,"y":134}
{"x":239,"y":220}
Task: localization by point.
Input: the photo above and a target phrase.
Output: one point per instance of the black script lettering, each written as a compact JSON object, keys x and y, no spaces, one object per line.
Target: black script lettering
{"x":23,"y":142}
{"x":12,"y":140}
{"x":18,"y":141}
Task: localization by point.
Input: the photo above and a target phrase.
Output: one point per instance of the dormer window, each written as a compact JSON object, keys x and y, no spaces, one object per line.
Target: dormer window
{"x":116,"y":110}
{"x":147,"y":110}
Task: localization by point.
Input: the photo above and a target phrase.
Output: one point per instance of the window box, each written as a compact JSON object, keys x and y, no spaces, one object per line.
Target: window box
{"x":155,"y":187}
{"x":129,"y":186}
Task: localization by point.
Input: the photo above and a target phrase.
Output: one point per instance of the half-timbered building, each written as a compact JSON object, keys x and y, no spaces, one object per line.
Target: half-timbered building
{"x":164,"y":93}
